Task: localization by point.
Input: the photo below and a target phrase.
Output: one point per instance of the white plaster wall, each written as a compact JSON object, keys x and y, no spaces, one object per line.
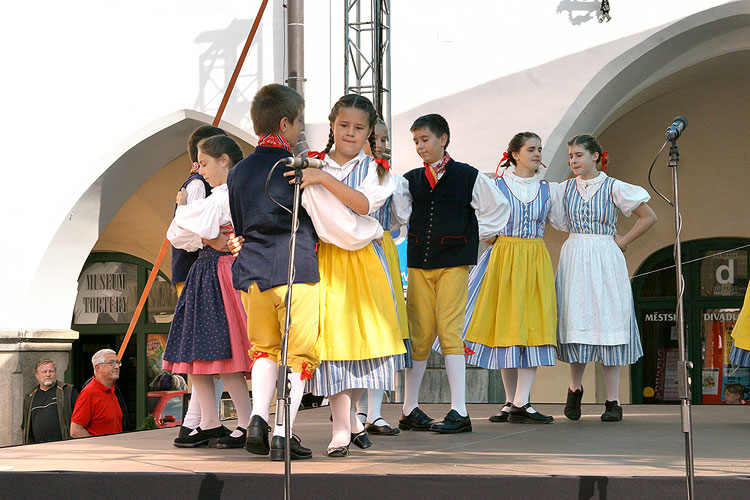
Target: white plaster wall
{"x":87,"y":81}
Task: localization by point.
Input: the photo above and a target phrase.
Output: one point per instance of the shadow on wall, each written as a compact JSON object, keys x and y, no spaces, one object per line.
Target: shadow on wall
{"x":589,"y":10}
{"x":216,"y":65}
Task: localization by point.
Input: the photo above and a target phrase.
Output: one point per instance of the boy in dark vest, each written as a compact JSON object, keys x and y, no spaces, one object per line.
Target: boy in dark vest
{"x":260,"y":269}
{"x":453,"y":207}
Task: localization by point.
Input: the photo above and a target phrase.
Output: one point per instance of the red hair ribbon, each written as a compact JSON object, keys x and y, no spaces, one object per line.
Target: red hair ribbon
{"x":604,"y":160}
{"x":305,"y":374}
{"x":194,"y":167}
{"x":383,"y":163}
{"x":316,"y":154}
{"x":543,"y":165}
{"x":467,"y":351}
{"x":502,"y":160}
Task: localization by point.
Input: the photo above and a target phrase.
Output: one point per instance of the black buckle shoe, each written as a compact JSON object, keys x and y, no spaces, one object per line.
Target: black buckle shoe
{"x":612,"y":412}
{"x":382,"y":430}
{"x":296,"y":450}
{"x":201,"y":438}
{"x":257,"y":436}
{"x":503,"y":415}
{"x":523,"y":416}
{"x":573,"y":404}
{"x":338,"y":451}
{"x":417,"y":420}
{"x":233,"y":442}
{"x":453,"y":423}
{"x":361,"y":440}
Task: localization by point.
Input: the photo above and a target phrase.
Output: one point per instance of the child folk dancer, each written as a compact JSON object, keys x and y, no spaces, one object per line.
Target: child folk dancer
{"x":196,"y":188}
{"x":359,"y":331}
{"x":740,"y":353}
{"x":369,"y":405}
{"x":596,"y":318}
{"x":261,"y":267}
{"x":511,"y":318}
{"x":450,"y":208}
{"x":208,"y":333}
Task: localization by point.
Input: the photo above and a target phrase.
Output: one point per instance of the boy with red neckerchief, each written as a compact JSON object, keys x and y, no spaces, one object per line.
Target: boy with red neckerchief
{"x":260,"y":269}
{"x":452,"y":207}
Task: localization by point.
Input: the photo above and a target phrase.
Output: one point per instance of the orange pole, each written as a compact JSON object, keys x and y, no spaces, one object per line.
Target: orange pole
{"x":217,"y":119}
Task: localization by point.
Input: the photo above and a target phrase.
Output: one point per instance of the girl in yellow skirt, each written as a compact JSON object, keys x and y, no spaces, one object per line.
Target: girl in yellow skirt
{"x":740,"y":353}
{"x":360,"y":338}
{"x":511,"y":315}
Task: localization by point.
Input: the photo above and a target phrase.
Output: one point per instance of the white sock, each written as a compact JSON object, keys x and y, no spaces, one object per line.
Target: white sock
{"x":203,"y":386}
{"x":612,"y":381}
{"x":576,"y":375}
{"x":355,"y":422}
{"x":193,"y":416}
{"x":375,"y":398}
{"x":341,"y":405}
{"x":455,"y":368}
{"x":523,"y":388}
{"x":360,"y":406}
{"x":237,"y":389}
{"x":295,"y":398}
{"x":412,"y":381}
{"x":510,"y":381}
{"x":264,"y":376}
{"x":218,"y":391}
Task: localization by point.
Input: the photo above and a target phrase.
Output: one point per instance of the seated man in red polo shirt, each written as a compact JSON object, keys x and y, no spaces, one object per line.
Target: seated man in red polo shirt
{"x":97,"y":410}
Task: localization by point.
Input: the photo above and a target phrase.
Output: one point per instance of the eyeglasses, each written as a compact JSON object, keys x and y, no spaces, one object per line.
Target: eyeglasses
{"x":114,"y":363}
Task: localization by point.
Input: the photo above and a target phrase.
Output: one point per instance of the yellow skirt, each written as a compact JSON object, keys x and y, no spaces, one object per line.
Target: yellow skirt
{"x":391,"y":256}
{"x":741,"y":330}
{"x":516,"y":302}
{"x":357,"y":317}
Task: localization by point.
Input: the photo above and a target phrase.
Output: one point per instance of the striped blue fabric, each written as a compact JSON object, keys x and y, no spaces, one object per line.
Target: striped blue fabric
{"x":358,"y":173}
{"x":332,"y":377}
{"x":515,"y":356}
{"x":383,"y":214}
{"x":527,"y":220}
{"x":598,"y":215}
{"x":608,"y":355}
{"x":739,"y":357}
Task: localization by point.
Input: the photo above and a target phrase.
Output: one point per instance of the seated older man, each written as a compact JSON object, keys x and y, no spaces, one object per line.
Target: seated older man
{"x":97,"y":409}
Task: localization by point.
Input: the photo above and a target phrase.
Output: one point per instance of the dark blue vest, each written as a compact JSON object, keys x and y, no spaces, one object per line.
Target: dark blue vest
{"x":443,"y":229}
{"x":182,"y":260}
{"x":264,"y":258}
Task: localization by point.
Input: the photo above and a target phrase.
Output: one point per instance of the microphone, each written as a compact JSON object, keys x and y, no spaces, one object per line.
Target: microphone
{"x":675,"y":130}
{"x":303,"y":162}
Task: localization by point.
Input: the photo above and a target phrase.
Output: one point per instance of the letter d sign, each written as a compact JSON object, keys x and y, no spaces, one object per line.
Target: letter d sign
{"x":728,"y":270}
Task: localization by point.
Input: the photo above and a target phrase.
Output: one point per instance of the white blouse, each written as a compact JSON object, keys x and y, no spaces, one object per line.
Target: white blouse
{"x":200,"y":219}
{"x":335,"y":222}
{"x":527,"y":188}
{"x":626,"y":196}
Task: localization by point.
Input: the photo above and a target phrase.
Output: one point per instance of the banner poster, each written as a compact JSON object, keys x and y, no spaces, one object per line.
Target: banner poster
{"x":665,"y":385}
{"x":156,"y":343}
{"x":710,"y":381}
{"x":106,"y":293}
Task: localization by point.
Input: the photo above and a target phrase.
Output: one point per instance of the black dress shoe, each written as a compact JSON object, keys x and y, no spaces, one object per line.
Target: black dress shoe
{"x":233,"y":442}
{"x":200,"y":438}
{"x":523,"y":416}
{"x":361,"y":440}
{"x":573,"y":404}
{"x":184,"y":431}
{"x":612,"y":412}
{"x":382,"y":430}
{"x":503,"y":415}
{"x":338,"y":451}
{"x":417,"y":420}
{"x":257,"y":436}
{"x":296,"y":450}
{"x":453,"y":423}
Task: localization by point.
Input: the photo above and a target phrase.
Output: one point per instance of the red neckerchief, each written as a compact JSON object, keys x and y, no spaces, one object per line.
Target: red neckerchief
{"x":274,"y":141}
{"x":432,"y":173}
{"x":316,"y":154}
{"x":384,"y":163}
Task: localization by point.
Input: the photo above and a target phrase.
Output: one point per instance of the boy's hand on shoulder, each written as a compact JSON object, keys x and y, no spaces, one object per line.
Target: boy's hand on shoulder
{"x":310,"y":176}
{"x":235,"y":244}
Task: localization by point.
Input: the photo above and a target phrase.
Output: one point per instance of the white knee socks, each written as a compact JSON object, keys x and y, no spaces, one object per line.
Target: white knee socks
{"x":412,"y":381}
{"x":354,"y":422}
{"x":612,"y":381}
{"x":203,"y":387}
{"x":455,"y":368}
{"x":510,"y":381}
{"x":265,"y":372}
{"x":341,"y":405}
{"x":295,"y":397}
{"x":375,"y":401}
{"x":523,"y":387}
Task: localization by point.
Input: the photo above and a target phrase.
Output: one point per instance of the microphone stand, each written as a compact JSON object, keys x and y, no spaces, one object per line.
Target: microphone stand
{"x":283,"y":386}
{"x":683,"y":365}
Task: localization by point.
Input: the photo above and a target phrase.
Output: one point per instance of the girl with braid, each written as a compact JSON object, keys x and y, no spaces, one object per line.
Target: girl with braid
{"x":360,"y":338}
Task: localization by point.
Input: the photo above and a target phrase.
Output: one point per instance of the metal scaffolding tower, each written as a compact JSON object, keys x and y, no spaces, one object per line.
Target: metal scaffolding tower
{"x":367,"y":53}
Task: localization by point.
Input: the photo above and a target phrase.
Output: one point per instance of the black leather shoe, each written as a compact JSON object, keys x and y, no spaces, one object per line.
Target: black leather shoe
{"x":573,"y":404}
{"x":338,"y":451}
{"x":417,"y":420}
{"x":184,"y":431}
{"x":296,"y":450}
{"x":503,"y":415}
{"x":453,"y":423}
{"x":201,"y":438}
{"x":257,"y":436}
{"x":382,"y":430}
{"x":361,"y":440}
{"x":612,"y":412}
{"x":523,"y":416}
{"x":233,"y":442}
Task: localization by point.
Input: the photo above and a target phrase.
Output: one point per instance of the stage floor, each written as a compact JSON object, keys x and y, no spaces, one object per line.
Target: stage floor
{"x":647,"y":444}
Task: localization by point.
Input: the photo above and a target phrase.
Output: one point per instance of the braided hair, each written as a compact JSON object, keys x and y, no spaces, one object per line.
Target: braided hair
{"x":515,"y":145}
{"x":361,"y":103}
{"x":589,"y":143}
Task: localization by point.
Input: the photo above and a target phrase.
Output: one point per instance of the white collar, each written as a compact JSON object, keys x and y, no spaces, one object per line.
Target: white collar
{"x":351,"y":163}
{"x":511,"y":172}
{"x":590,"y":182}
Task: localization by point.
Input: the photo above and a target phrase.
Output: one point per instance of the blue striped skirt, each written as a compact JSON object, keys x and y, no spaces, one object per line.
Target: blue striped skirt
{"x":739,"y":357}
{"x":515,"y":356}
{"x":332,"y":377}
{"x":608,"y":355}
{"x":404,"y":360}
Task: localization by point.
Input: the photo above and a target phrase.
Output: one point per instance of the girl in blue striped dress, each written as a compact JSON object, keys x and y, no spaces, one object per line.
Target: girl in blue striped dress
{"x":596,"y":318}
{"x":360,"y":338}
{"x":511,"y":314}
